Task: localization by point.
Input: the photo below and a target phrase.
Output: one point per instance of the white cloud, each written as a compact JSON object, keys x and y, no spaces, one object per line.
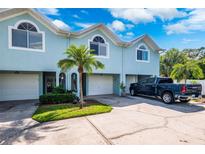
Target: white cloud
{"x":49,"y":11}
{"x":194,"y":22}
{"x":129,"y":26}
{"x":76,"y":16}
{"x":167,"y":13}
{"x":61,"y":24}
{"x":83,"y":25}
{"x":84,"y":12}
{"x":133,"y":15}
{"x":185,"y":40}
{"x":176,"y":28}
{"x":130,"y":34}
{"x":117,"y":25}
{"x":127,"y":36}
{"x":146,"y":15}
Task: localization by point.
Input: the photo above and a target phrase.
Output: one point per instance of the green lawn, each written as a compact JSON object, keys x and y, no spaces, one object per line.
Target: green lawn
{"x":46,"y":113}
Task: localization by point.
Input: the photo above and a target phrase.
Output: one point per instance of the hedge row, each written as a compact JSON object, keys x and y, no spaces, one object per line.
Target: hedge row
{"x":57,"y":98}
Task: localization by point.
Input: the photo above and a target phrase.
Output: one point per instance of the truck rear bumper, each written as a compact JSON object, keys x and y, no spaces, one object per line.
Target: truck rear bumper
{"x":187,"y":97}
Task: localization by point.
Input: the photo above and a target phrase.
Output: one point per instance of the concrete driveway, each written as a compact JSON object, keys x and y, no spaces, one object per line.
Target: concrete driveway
{"x":133,"y":120}
{"x":15,"y":117}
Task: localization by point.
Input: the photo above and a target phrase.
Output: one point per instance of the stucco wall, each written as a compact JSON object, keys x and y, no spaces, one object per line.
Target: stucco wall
{"x":131,"y":66}
{"x":121,"y":60}
{"x":113,"y":63}
{"x":11,"y":59}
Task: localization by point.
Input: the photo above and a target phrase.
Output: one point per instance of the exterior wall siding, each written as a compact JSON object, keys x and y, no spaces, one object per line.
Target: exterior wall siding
{"x":116,"y":84}
{"x":121,"y":61}
{"x":131,"y":66}
{"x":115,"y":53}
{"x":11,"y":59}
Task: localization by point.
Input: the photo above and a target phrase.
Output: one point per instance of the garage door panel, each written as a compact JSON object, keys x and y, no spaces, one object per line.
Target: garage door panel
{"x":19,"y":86}
{"x":130,"y":79}
{"x":100,"y":84}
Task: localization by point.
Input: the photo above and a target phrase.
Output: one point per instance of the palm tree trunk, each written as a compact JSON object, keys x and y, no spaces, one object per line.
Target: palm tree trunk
{"x":81,"y":90}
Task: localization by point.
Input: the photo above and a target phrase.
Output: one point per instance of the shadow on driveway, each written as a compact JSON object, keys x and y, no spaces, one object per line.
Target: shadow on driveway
{"x":16,"y":122}
{"x":17,"y":110}
{"x":117,"y":101}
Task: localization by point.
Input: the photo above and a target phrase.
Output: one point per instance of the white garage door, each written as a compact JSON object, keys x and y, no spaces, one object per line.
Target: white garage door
{"x":19,"y":86}
{"x":130,"y":79}
{"x":100,"y":84}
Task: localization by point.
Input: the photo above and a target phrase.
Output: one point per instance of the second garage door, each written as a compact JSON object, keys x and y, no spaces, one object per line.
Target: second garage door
{"x":100,"y":84}
{"x":19,"y":86}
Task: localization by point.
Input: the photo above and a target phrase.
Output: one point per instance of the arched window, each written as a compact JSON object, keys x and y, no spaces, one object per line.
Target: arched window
{"x":62,"y":80}
{"x":142,"y":53}
{"x":74,"y":82}
{"x":99,"y":45}
{"x":142,"y":47}
{"x":26,"y":35}
{"x":98,"y":39}
{"x":27,"y":26}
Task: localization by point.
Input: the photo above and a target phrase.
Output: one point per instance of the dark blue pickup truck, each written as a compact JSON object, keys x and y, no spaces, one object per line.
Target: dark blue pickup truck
{"x":166,"y":89}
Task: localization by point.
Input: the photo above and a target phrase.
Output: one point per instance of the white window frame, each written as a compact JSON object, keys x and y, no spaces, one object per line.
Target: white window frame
{"x":148,"y":51}
{"x":10,"y":28}
{"x":106,"y":44}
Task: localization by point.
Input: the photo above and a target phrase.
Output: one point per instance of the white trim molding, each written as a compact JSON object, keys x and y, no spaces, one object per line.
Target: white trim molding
{"x":138,"y":48}
{"x":106,"y":43}
{"x":22,"y":48}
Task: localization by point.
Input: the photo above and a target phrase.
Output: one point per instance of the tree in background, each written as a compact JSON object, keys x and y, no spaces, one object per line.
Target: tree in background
{"x":201,"y":63}
{"x":188,"y":70}
{"x":169,"y":59}
{"x":84,"y":60}
{"x":195,"y":54}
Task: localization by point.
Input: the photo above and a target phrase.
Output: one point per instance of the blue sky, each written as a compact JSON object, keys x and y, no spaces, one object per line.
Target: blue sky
{"x":178,"y":28}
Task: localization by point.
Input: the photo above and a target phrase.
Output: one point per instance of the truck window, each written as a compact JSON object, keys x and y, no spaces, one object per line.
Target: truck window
{"x":168,"y":80}
{"x":147,"y":81}
{"x":150,"y":80}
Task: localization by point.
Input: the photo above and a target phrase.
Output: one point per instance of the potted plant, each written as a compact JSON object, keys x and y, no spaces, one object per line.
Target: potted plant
{"x":122,"y":88}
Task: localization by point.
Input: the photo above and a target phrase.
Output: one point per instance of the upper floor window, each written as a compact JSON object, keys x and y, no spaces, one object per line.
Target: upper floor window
{"x":99,"y":45}
{"x":26,"y":35}
{"x":142,"y":53}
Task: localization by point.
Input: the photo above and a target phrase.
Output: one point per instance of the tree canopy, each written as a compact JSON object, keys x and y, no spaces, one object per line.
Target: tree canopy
{"x":185,"y":64}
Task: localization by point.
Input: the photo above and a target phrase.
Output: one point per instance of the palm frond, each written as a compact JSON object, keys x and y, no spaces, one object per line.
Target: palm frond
{"x":80,"y":56}
{"x":65,"y":64}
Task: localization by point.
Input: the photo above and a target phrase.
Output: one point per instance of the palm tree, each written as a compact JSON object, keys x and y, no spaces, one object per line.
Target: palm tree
{"x":82,"y":58}
{"x":169,"y":59}
{"x":187,"y":70}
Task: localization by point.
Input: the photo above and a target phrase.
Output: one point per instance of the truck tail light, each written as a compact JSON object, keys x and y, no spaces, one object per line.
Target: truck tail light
{"x":183,"y":89}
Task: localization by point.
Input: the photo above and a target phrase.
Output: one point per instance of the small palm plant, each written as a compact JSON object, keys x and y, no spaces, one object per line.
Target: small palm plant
{"x":187,"y":70}
{"x":122,"y":87}
{"x":82,"y":58}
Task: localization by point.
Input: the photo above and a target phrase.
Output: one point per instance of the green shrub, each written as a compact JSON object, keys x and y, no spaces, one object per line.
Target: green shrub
{"x":58,"y":90}
{"x":57,"y":98}
{"x":194,"y":82}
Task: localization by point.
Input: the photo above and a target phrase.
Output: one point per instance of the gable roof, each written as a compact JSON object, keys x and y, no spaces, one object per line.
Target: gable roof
{"x":100,"y":27}
{"x":115,"y":38}
{"x":9,"y":13}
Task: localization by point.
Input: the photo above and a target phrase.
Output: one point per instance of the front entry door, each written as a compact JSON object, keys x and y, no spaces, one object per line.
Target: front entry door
{"x":50,"y":83}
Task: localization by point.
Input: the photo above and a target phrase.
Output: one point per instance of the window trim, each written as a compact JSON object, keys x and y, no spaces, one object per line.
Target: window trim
{"x":22,"y":48}
{"x":106,"y":43}
{"x":138,"y":48}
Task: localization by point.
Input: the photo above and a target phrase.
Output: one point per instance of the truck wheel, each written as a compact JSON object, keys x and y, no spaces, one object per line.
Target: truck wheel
{"x":132,"y":92}
{"x":167,"y":98}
